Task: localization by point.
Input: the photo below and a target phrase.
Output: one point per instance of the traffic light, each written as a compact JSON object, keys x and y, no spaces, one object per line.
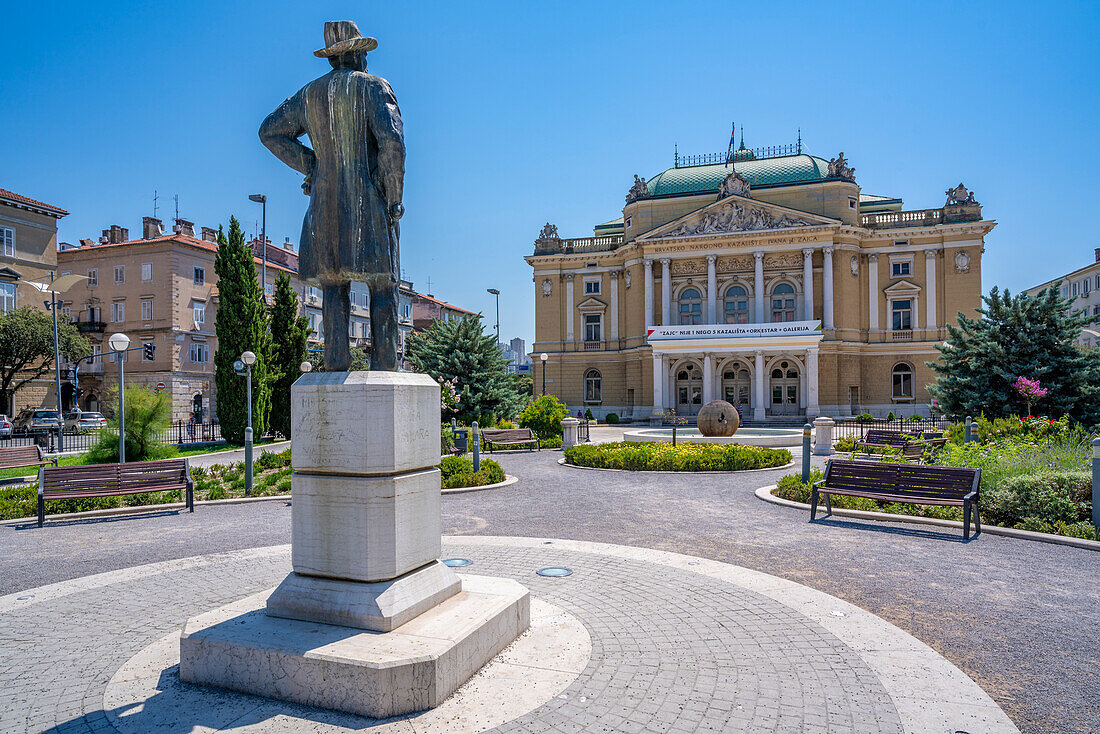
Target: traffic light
{"x":148,"y":351}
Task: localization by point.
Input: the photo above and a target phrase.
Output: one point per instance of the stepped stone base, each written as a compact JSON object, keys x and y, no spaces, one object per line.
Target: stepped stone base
{"x":377,"y":674}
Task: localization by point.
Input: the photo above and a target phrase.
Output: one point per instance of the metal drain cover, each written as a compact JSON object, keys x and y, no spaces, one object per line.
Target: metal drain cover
{"x":455,"y":562}
{"x":555,"y":571}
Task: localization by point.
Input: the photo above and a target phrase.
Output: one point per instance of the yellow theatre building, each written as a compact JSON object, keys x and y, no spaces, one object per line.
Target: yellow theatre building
{"x":769,"y":280}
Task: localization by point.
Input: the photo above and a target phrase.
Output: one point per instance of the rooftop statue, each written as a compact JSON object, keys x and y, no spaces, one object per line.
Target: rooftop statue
{"x":354,"y":176}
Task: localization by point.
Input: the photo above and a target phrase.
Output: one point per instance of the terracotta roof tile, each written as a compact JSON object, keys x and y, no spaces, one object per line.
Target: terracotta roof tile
{"x":20,"y":199}
{"x":180,"y":238}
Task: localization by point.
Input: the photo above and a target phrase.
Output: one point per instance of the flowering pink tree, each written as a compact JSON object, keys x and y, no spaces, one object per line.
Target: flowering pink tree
{"x":1029,"y":391}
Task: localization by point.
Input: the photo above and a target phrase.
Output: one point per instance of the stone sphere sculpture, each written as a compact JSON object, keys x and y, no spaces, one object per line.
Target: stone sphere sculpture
{"x":718,"y":418}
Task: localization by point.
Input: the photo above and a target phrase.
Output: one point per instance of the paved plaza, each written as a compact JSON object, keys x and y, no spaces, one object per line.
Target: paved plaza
{"x":676,"y":646}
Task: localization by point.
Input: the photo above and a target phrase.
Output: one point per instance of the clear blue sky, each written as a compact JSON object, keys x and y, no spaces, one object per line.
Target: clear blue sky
{"x":518,"y":113}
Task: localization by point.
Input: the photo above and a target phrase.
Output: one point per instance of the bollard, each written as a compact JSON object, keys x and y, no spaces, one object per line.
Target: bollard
{"x":248,"y":461}
{"x":475,"y":443}
{"x":966,"y":431}
{"x":806,"y":452}
{"x":1096,"y":482}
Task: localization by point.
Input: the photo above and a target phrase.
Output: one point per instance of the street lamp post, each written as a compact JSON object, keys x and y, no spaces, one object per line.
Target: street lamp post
{"x":261,"y":199}
{"x":544,"y":356}
{"x":496,"y":293}
{"x":244,"y":365}
{"x":119,"y":343}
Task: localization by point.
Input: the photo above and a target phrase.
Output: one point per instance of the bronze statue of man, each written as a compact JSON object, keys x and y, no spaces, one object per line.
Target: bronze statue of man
{"x":354,"y":177}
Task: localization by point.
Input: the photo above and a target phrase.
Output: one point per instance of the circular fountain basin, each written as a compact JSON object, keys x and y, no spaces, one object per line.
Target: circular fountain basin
{"x":771,"y":437}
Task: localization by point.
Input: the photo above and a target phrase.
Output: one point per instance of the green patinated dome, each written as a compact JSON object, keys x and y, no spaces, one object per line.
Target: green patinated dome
{"x":787,"y":169}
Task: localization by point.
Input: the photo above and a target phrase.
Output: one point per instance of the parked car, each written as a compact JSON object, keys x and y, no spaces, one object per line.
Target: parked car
{"x":81,"y":422}
{"x":33,"y":420}
{"x":5,"y":427}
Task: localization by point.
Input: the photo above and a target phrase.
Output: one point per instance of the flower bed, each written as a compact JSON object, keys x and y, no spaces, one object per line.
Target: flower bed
{"x":687,"y":457}
{"x":458,"y":472}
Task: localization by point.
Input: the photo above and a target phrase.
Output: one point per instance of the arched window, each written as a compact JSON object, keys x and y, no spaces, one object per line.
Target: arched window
{"x":783,"y":302}
{"x":737,"y":305}
{"x":691,"y":307}
{"x":902,"y":382}
{"x":593,"y":387}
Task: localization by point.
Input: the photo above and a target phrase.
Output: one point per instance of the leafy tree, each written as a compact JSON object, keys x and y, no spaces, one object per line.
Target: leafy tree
{"x":289,"y":332}
{"x":241,"y":325}
{"x":26,"y":346}
{"x":459,"y":350}
{"x":544,"y":416}
{"x":148,"y":416}
{"x":1018,"y":335}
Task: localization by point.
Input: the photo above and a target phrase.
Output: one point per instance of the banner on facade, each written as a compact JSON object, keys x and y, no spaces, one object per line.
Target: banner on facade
{"x":733,"y":331}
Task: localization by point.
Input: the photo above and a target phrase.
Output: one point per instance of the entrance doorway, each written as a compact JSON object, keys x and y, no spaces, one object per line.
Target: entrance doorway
{"x":91,"y":403}
{"x":689,"y":389}
{"x":784,"y":385}
{"x":854,"y":408}
{"x":737,"y":387}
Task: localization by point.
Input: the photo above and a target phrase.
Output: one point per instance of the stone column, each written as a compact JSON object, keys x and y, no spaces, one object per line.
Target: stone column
{"x":570,"y":317}
{"x":569,"y":431}
{"x":827,"y":293}
{"x":712,"y":290}
{"x":807,"y":283}
{"x":758,"y":383}
{"x":813,"y":406}
{"x":658,"y":383}
{"x":666,"y":292}
{"x":758,"y":289}
{"x":930,"y":288}
{"x":916,"y":312}
{"x":648,"y":266}
{"x":823,"y":431}
{"x":613,"y":316}
{"x":872,"y":292}
{"x":708,"y":378}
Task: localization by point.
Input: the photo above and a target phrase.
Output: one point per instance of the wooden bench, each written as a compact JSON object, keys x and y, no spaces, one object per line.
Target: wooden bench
{"x":494,"y":437}
{"x":911,"y":448}
{"x":911,"y":483}
{"x":15,"y":457}
{"x":109,"y":480}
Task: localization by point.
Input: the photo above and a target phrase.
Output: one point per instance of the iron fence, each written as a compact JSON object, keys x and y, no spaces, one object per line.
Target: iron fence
{"x":855,"y":428}
{"x":180,"y":433}
{"x":582,"y":432}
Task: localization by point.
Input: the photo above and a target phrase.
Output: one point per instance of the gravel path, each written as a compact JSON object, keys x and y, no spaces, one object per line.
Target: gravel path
{"x":1019,"y":617}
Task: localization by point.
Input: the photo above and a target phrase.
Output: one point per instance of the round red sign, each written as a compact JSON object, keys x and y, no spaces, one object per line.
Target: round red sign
{"x":161,"y":386}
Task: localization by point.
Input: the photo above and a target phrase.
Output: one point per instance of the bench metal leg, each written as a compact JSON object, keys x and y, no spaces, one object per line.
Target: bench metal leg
{"x":966,"y":520}
{"x":190,"y":498}
{"x":41,"y":510}
{"x":977,"y":520}
{"x":813,"y":504}
{"x":828,"y":503}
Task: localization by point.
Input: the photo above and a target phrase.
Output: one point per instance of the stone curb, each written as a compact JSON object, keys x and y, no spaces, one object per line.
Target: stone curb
{"x":765,"y":493}
{"x":110,"y":511}
{"x":562,"y":462}
{"x":508,"y":481}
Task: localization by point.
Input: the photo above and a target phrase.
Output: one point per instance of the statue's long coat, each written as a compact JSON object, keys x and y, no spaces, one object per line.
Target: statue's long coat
{"x":357,"y":167}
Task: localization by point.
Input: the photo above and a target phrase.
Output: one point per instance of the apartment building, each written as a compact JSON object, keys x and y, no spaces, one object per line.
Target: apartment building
{"x":28,"y":251}
{"x":1083,"y":286}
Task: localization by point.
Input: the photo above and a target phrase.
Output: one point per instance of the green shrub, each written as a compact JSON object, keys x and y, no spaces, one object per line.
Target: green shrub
{"x":544,"y":416}
{"x":505,"y":424}
{"x":891,"y":417}
{"x":554,"y":442}
{"x":283,"y":486}
{"x":691,"y":457}
{"x":848,"y":443}
{"x":490,"y":473}
{"x":272,"y":460}
{"x":446,"y":439}
{"x":588,"y":414}
{"x":1050,"y":497}
{"x":148,"y":415}
{"x":611,"y":419}
{"x":455,"y":466}
{"x":216,"y":492}
{"x":864,"y":418}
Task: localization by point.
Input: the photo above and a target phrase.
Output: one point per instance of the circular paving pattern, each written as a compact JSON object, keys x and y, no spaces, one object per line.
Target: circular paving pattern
{"x":677,"y":644}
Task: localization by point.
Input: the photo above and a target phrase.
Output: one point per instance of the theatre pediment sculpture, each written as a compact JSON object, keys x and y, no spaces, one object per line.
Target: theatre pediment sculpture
{"x":734,"y":217}
{"x":960,"y":196}
{"x":839,"y":168}
{"x":638,"y":190}
{"x":734,"y":185}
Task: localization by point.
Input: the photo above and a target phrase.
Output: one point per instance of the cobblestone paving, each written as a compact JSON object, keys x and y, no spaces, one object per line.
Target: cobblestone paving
{"x":673,"y":651}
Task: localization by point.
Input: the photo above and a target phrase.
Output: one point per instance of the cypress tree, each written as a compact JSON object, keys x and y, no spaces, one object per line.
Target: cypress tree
{"x":289,"y":333}
{"x":241,"y":325}
{"x":1022,"y":335}
{"x":459,"y":350}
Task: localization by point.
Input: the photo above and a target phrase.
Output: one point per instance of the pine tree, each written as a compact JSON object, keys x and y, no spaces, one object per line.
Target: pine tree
{"x":241,"y":325}
{"x":460,"y":350}
{"x":1029,"y":336}
{"x":289,"y":333}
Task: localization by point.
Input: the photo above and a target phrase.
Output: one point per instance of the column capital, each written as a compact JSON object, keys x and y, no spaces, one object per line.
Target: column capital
{"x":647,"y":264}
{"x":872,"y":258}
{"x":828,"y":249}
{"x":808,"y":251}
{"x":712,"y":258}
{"x":759,"y":353}
{"x":614,"y":274}
{"x":568,"y":276}
{"x":929,"y":254}
{"x":758,"y":255}
{"x":665,"y":261}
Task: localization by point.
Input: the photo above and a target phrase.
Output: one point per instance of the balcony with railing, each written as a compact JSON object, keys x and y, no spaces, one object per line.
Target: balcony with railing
{"x":922,"y":217}
{"x":558,"y":246}
{"x":90,"y":327}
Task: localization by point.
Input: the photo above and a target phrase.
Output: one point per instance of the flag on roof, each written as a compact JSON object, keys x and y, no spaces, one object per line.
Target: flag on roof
{"x":729,"y":153}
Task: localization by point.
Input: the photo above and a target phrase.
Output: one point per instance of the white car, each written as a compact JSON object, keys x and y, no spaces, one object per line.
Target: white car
{"x":80,"y":422}
{"x":5,"y":427}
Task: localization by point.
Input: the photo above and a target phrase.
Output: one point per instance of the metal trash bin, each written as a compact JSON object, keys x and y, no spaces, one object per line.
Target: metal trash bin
{"x":462,"y":440}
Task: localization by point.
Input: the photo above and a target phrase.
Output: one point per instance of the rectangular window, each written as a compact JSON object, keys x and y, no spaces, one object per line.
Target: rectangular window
{"x":94,"y":312}
{"x":901,"y":243}
{"x":93,"y":276}
{"x":7,"y":297}
{"x":592,"y":327}
{"x":592,"y":287}
{"x":118,"y":312}
{"x":144,"y":358}
{"x":146,"y":272}
{"x":1086,"y":286}
{"x":900,"y":269}
{"x":120,"y":274}
{"x":7,"y":239}
{"x":902,"y":314}
{"x":200,"y":353}
{"x":198,"y":312}
{"x":199,"y":277}
{"x":1075,"y":289}
{"x":68,"y":311}
{"x":146,"y":309}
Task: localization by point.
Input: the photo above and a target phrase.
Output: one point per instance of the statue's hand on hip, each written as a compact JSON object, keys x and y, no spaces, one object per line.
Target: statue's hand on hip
{"x":396,"y":211}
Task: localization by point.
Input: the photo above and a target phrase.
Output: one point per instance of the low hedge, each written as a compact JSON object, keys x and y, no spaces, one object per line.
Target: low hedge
{"x":688,"y":457}
{"x":1051,"y":502}
{"x":458,"y":472}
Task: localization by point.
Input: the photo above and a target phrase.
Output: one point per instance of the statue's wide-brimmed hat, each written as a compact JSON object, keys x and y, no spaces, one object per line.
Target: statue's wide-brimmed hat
{"x":343,"y":36}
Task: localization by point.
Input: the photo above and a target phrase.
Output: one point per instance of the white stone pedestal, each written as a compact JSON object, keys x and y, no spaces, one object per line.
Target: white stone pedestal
{"x":365,"y":547}
{"x":823,"y":430}
{"x":570,"y":431}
